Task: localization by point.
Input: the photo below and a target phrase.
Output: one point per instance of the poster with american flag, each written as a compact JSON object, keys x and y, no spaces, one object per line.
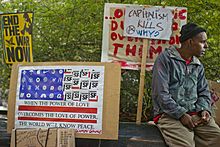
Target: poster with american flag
{"x":60,"y":96}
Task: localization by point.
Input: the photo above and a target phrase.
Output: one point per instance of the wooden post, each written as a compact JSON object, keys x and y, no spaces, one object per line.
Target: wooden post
{"x":142,"y":81}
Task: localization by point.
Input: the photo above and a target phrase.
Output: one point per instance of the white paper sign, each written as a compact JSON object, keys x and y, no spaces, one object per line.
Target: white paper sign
{"x":60,"y":96}
{"x":148,"y":22}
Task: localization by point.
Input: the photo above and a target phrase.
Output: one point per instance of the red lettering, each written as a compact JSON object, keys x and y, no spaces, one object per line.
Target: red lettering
{"x":177,"y":39}
{"x":114,"y":25}
{"x":130,"y":50}
{"x":175,"y":14}
{"x":121,"y":37}
{"x":152,"y":42}
{"x":122,"y":25}
{"x":172,"y":40}
{"x":130,"y":39}
{"x":155,"y":51}
{"x":181,"y":14}
{"x":161,"y":42}
{"x":175,"y":26}
{"x":118,"y":13}
{"x":113,"y":36}
{"x":116,"y":46}
{"x":140,"y":51}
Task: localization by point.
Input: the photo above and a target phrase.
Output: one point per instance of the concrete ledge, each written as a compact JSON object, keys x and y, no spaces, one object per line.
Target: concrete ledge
{"x":130,"y":135}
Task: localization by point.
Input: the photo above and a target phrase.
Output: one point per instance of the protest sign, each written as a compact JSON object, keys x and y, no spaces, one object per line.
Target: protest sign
{"x":128,"y":50}
{"x":66,"y":95}
{"x":17,"y":37}
{"x":60,"y":96}
{"x":37,"y":137}
{"x":148,"y":22}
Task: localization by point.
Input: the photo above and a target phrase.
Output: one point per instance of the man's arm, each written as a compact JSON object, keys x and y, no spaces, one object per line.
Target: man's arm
{"x":204,"y":98}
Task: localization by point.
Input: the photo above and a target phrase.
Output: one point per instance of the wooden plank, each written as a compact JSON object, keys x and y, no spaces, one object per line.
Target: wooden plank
{"x":142,"y":81}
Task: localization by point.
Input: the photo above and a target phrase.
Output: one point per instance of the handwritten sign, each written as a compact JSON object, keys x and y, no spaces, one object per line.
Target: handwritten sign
{"x":52,"y":137}
{"x":34,"y":137}
{"x":65,"y":137}
{"x":17,"y":37}
{"x":152,"y":22}
{"x":128,"y":50}
{"x":64,"y":96}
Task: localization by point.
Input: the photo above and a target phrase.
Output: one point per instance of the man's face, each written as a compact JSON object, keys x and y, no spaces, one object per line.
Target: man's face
{"x":199,"y":44}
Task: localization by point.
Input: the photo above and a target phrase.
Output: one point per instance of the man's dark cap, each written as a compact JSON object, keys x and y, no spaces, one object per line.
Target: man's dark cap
{"x":190,"y":30}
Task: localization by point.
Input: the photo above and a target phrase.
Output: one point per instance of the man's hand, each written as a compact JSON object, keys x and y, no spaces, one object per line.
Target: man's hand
{"x":205,"y":118}
{"x":186,"y":120}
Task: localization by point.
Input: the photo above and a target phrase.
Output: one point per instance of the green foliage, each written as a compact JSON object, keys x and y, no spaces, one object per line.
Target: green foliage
{"x":71,"y":30}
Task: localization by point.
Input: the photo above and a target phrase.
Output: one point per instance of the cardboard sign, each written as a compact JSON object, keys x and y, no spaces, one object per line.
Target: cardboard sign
{"x":60,"y":96}
{"x":82,"y":96}
{"x":17,"y":37}
{"x":151,"y":23}
{"x":53,"y":137}
{"x":128,"y":50}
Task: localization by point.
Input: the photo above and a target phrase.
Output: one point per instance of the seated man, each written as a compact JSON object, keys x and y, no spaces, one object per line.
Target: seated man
{"x":181,"y":98}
